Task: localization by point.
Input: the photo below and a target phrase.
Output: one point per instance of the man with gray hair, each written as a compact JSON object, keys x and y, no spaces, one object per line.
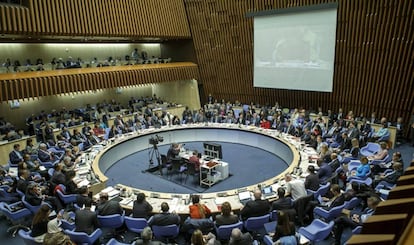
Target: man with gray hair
{"x":146,"y":238}
{"x":239,"y":238}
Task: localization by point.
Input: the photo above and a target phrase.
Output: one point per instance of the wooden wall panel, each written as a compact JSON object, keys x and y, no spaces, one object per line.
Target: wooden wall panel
{"x":37,"y":84}
{"x":107,"y":18}
{"x":373,"y":60}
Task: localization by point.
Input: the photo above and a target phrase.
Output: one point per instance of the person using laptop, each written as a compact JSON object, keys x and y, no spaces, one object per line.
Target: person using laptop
{"x":256,"y":207}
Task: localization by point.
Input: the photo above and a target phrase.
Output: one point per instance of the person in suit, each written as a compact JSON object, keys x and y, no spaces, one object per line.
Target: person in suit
{"x":83,"y":196}
{"x":334,"y":164}
{"x":239,"y":238}
{"x":324,"y":172}
{"x":337,"y":198}
{"x":141,"y":208}
{"x":106,"y":206}
{"x":390,"y":178}
{"x":58,"y":175}
{"x":146,"y":238}
{"x":312,"y":180}
{"x":354,"y":219}
{"x":44,"y":155}
{"x":86,"y":220}
{"x":226,"y":217}
{"x":282,"y":203}
{"x":165,"y":217}
{"x":16,"y":156}
{"x":256,"y":207}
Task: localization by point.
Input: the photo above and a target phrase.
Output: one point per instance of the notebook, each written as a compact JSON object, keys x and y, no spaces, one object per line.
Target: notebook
{"x":268,"y":192}
{"x":244,"y":197}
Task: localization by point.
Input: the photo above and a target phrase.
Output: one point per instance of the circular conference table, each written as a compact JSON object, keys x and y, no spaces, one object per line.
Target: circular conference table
{"x":284,"y":146}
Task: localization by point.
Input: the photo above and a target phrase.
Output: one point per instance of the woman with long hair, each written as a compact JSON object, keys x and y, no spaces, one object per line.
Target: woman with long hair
{"x":39,"y":223}
{"x":284,"y":227}
{"x":197,"y":210}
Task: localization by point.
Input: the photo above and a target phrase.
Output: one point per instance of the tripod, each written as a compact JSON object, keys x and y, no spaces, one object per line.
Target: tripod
{"x":155,"y":152}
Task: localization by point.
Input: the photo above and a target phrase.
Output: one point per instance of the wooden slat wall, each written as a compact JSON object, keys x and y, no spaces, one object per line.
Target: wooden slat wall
{"x":108,"y":18}
{"x":373,"y":63}
{"x":38,"y":84}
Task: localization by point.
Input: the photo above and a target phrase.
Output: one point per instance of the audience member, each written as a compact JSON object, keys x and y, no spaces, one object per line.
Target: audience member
{"x":239,"y":238}
{"x":141,"y":208}
{"x":85,"y":219}
{"x":354,"y":218}
{"x":199,"y":239}
{"x":165,"y":217}
{"x":312,"y":179}
{"x":226,"y":217}
{"x":282,"y":202}
{"x":106,"y":206}
{"x":197,"y":210}
{"x":146,"y":238}
{"x":39,"y":223}
{"x":295,"y":187}
{"x":256,"y":207}
{"x":285,"y":230}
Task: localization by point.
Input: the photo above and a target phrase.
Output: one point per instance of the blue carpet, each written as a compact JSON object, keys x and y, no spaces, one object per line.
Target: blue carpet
{"x":243,"y":161}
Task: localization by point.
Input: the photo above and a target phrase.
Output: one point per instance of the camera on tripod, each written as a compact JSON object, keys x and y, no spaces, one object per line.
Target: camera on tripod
{"x":154,"y":140}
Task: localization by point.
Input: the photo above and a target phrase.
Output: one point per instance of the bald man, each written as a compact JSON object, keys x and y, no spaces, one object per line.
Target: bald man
{"x":239,"y":238}
{"x":256,"y":207}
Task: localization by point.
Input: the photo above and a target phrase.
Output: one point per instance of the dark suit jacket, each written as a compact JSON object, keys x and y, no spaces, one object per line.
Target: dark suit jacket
{"x":15,"y":158}
{"x":81,"y":200}
{"x":337,"y":202}
{"x":393,"y":177}
{"x":141,"y":210}
{"x":312,"y":182}
{"x":334,"y":164}
{"x":86,"y":221}
{"x":255,"y":208}
{"x":324,"y":172}
{"x":108,"y":208}
{"x":43,"y":156}
{"x":142,"y":242}
{"x":226,"y":220}
{"x":282,"y":203}
{"x":163,"y":219}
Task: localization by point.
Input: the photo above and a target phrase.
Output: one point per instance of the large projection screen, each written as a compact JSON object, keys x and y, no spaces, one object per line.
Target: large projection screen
{"x":295,"y":48}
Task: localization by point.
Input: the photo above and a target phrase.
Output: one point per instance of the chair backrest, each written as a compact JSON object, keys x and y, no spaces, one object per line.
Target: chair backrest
{"x":324,"y":232}
{"x":335,"y":212}
{"x":111,"y":221}
{"x":135,"y":224}
{"x":224,"y":231}
{"x":27,"y":238}
{"x":29,"y":206}
{"x":78,"y":237}
{"x":273,"y":215}
{"x":51,"y":171}
{"x":70,"y":198}
{"x":165,"y":231}
{"x":351,"y":204}
{"x":256,"y":223}
{"x":323,"y":189}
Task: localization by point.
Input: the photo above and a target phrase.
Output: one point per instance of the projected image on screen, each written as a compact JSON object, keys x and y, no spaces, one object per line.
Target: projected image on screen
{"x":295,"y":50}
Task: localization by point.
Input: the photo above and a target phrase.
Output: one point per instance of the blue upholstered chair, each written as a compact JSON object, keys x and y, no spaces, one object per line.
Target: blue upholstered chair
{"x":27,"y":238}
{"x":351,"y":204}
{"x":256,"y":223}
{"x":165,"y":233}
{"x":29,"y":206}
{"x":328,"y":215}
{"x":82,"y":237}
{"x":224,"y":231}
{"x":66,"y":198}
{"x":135,"y":224}
{"x":113,"y":241}
{"x":317,"y":230}
{"x":13,"y":213}
{"x":370,"y":149}
{"x":321,"y":191}
{"x":111,"y":221}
